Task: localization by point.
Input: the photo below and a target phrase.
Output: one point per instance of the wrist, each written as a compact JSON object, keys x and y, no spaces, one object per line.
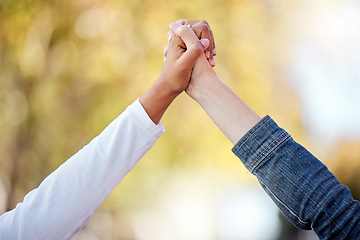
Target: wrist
{"x":203,"y":88}
{"x":166,"y":90}
{"x":157,"y":99}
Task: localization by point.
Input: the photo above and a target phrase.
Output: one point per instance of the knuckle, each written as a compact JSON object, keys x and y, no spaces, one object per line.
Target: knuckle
{"x":174,"y":42}
{"x":196,"y":22}
{"x":182,"y":21}
{"x":204,"y":28}
{"x":205,"y":22}
{"x":198,"y":47}
{"x":182,"y":29}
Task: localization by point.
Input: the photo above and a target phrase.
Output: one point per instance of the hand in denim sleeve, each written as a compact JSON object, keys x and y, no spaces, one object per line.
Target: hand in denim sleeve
{"x":307,"y":193}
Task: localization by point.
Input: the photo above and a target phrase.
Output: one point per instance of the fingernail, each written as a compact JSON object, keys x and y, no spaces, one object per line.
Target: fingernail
{"x":214,"y":51}
{"x":164,"y":59}
{"x":208,"y":54}
{"x":169,"y":36}
{"x":212,"y":62}
{"x":204,"y":42}
{"x":173,"y":26}
{"x":165,"y":49}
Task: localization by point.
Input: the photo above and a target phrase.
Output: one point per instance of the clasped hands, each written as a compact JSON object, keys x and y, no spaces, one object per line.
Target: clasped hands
{"x":188,"y":66}
{"x":189,"y":57}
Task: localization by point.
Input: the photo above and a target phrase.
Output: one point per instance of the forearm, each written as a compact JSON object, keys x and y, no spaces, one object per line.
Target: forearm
{"x":66,"y":199}
{"x":157,"y":99}
{"x":304,"y":189}
{"x":233,"y":117}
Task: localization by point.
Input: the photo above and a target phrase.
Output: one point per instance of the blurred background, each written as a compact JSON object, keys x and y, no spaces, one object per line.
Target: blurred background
{"x":68,"y":68}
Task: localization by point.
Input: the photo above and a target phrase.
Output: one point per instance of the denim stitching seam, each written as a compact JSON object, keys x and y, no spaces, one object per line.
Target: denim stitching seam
{"x":300,"y":220}
{"x":274,"y":144}
{"x":259,"y":127}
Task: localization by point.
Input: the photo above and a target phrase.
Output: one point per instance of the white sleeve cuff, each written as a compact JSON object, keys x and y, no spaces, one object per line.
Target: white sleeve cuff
{"x":138,"y":109}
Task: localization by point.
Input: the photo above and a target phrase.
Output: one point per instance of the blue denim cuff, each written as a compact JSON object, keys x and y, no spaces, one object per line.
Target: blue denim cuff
{"x":259,"y":142}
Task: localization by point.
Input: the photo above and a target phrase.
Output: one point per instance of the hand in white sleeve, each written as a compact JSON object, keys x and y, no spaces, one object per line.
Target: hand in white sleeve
{"x":66,"y":199}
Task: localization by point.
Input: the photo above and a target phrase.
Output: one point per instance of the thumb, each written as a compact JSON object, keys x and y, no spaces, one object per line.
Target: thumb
{"x":188,"y":59}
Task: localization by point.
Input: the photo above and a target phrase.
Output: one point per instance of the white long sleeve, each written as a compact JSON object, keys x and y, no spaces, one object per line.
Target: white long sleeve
{"x":67,"y":198}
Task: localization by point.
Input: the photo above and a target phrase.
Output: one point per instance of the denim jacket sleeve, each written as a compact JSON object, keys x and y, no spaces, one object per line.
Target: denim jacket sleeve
{"x":306,"y":192}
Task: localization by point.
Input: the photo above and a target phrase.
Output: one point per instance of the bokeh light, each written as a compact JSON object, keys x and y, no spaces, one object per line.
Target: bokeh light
{"x":68,"y":68}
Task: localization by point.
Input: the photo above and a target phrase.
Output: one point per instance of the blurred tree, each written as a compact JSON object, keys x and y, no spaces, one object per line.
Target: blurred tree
{"x":69,"y":67}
